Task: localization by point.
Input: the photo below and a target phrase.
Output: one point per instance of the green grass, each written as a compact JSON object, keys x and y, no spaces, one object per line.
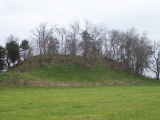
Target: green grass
{"x":64,"y":72}
{"x":75,"y":103}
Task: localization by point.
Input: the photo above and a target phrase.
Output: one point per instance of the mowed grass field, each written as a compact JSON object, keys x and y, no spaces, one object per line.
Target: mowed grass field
{"x":81,"y":103}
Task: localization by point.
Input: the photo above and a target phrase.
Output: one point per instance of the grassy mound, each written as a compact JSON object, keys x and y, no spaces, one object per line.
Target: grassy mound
{"x":61,"y":72}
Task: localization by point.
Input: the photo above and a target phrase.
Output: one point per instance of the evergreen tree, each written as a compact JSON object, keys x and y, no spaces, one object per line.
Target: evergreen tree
{"x":24,"y":46}
{"x":12,"y":52}
{"x":86,"y":45}
{"x":2,"y":56}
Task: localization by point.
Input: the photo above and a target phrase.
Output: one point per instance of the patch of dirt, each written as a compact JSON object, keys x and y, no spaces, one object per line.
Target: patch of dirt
{"x":45,"y":83}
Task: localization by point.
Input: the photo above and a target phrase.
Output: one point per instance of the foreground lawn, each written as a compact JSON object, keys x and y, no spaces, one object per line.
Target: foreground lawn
{"x":90,"y":103}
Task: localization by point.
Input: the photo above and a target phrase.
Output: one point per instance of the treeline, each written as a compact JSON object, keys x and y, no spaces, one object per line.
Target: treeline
{"x":131,"y":50}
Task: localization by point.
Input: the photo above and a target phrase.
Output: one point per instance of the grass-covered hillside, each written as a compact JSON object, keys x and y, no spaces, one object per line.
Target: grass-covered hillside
{"x":60,"y":71}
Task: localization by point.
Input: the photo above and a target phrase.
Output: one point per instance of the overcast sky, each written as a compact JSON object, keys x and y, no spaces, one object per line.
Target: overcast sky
{"x":19,"y":17}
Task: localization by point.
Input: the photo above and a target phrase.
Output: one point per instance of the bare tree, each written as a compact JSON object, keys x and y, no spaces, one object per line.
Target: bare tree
{"x":114,"y":40}
{"x":97,"y":36}
{"x":62,"y":33}
{"x":131,"y":40}
{"x":144,"y":52}
{"x":42,"y":35}
{"x":155,"y":62}
{"x":53,"y":45}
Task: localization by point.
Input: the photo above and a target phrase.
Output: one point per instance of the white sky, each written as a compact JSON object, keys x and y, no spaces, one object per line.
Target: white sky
{"x":18,"y":17}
